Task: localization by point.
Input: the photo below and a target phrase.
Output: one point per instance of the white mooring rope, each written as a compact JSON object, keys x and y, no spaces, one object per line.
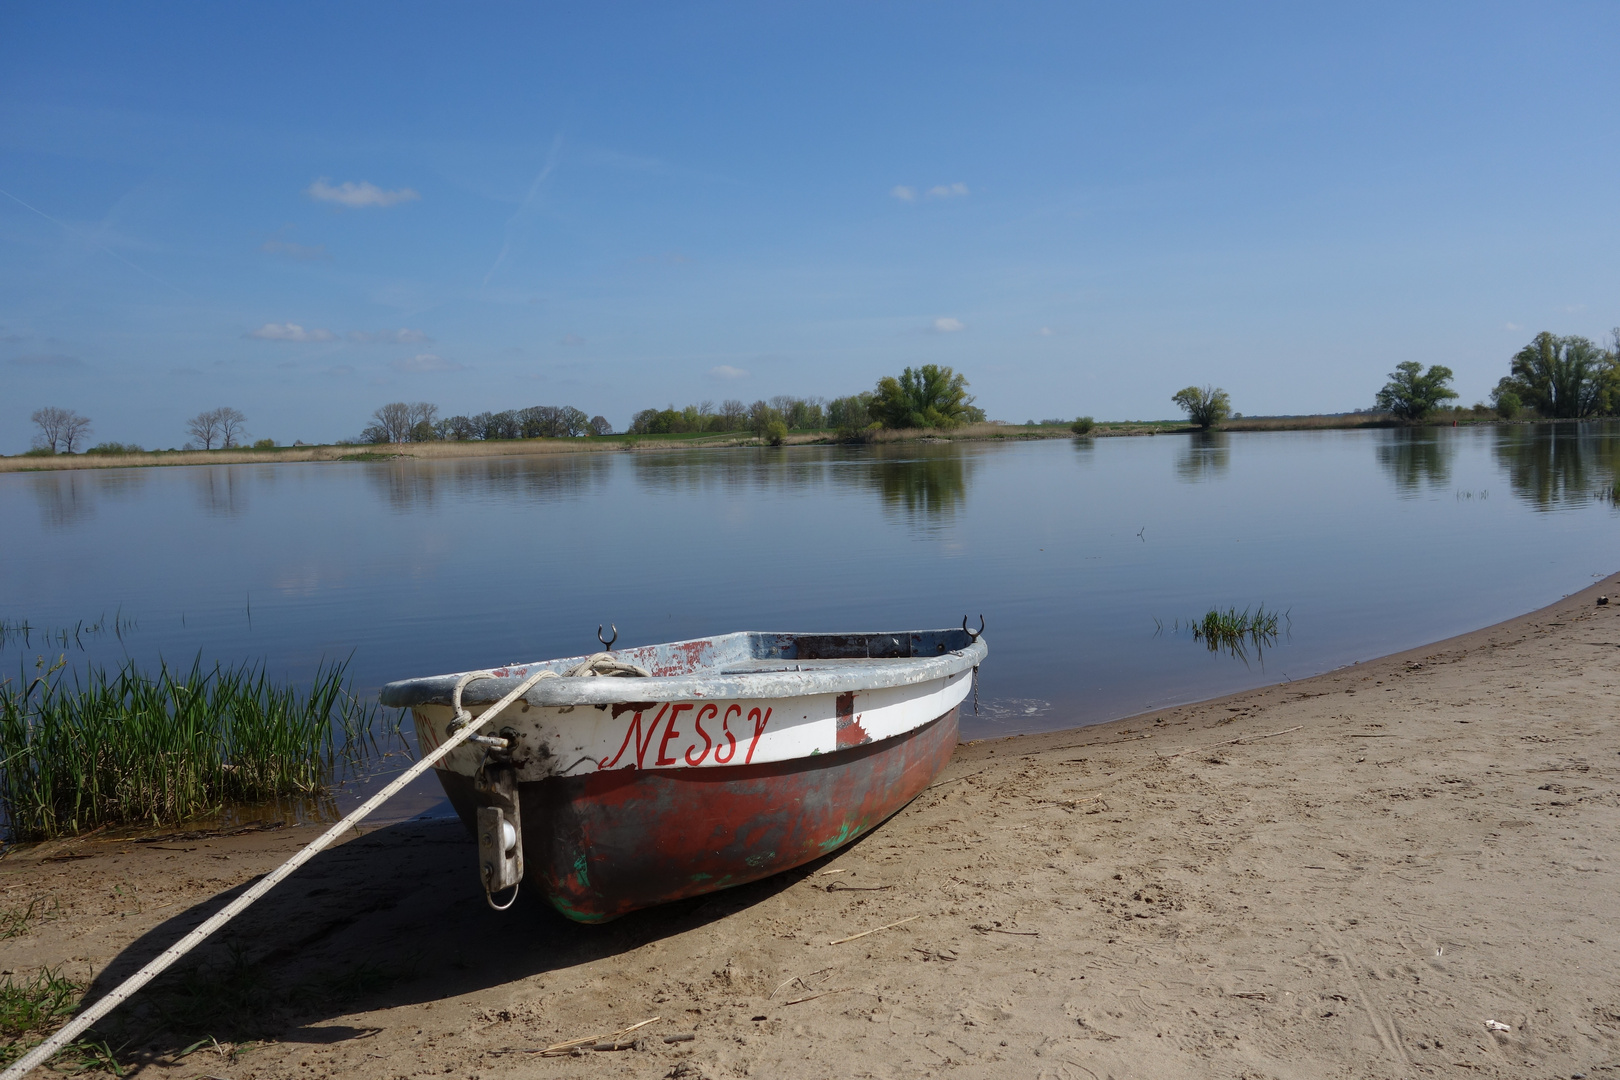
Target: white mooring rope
{"x":599,"y":664}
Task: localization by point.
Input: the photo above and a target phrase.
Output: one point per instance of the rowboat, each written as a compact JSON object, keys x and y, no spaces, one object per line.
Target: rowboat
{"x":709,"y":763}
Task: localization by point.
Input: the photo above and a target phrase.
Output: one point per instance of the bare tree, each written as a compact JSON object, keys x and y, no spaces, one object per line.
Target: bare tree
{"x":423,"y":416}
{"x":204,"y":427}
{"x":394,"y":419}
{"x":59,"y":429}
{"x":601,"y":426}
{"x":230,"y":426}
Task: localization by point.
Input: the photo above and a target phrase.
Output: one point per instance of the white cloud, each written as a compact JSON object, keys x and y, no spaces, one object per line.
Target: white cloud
{"x":1512,"y":326}
{"x":426,"y":362}
{"x":947,"y":191}
{"x":389,"y":337}
{"x":571,"y":339}
{"x":1046,"y":331}
{"x":301,"y":252}
{"x":289,"y":332}
{"x":949,"y":325}
{"x":903,"y":193}
{"x":357,"y":196}
{"x":726,"y":371}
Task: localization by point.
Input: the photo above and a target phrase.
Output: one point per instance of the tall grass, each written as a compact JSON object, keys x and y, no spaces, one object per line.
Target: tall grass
{"x":128,"y":749}
{"x":1233,"y":629}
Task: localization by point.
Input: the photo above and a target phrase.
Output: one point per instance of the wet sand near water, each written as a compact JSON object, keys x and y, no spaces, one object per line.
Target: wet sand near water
{"x":1345,"y":876}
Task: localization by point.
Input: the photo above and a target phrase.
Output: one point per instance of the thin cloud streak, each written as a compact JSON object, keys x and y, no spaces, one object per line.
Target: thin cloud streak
{"x":515,"y":224}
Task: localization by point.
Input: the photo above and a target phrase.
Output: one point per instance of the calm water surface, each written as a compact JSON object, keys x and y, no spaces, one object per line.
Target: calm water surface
{"x":1075,"y":553}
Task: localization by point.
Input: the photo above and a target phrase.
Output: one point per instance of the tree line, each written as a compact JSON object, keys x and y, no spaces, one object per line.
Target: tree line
{"x":1553,"y":378}
{"x":419,"y":421}
{"x":930,"y":396}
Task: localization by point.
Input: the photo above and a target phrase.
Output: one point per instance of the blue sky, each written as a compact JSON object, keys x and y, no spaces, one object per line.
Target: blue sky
{"x":305,"y":211}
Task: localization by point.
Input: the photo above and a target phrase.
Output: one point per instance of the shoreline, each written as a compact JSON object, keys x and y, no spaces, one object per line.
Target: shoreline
{"x":1347,"y":874}
{"x":332,"y":452}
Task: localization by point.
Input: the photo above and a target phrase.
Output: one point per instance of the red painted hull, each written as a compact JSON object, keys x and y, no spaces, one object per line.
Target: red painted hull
{"x":608,"y":843}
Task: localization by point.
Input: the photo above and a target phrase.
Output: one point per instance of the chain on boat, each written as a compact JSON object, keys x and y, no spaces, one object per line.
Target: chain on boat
{"x":463,"y":728}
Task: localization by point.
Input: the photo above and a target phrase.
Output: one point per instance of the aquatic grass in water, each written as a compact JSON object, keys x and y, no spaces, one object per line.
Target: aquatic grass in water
{"x":131,"y":749}
{"x":1232,"y":630}
{"x":1225,"y":629}
{"x":62,"y":637}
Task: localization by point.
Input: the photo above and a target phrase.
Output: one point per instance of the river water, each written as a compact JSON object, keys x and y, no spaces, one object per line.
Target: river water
{"x":1082,"y":556}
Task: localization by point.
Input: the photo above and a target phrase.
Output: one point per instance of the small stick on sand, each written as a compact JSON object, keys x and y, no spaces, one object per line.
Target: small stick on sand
{"x":952,"y":780}
{"x":875,"y":929}
{"x":1235,"y":742}
{"x":812,"y":997}
{"x":558,"y":1049}
{"x":797,"y":979}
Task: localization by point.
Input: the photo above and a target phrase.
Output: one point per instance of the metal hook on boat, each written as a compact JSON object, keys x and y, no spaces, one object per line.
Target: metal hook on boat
{"x":973,"y":635}
{"x":607,"y":643}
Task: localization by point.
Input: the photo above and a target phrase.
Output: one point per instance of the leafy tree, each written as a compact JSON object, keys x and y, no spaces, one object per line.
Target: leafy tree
{"x":850,"y":414}
{"x":1412,"y":393}
{"x":599,"y":426}
{"x":763,"y":419}
{"x":59,"y":429}
{"x":928,"y":396}
{"x":1204,"y":406}
{"x":1560,"y":377}
{"x":454,"y":428}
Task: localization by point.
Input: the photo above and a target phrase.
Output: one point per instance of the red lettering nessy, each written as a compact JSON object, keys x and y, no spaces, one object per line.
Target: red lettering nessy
{"x":642,"y":745}
{"x":759,"y":723}
{"x":670,"y":733}
{"x":709,"y":711}
{"x":731,"y":740}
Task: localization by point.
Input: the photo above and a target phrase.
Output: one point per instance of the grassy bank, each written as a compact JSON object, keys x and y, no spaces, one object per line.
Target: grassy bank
{"x":127,"y":748}
{"x":986,"y":432}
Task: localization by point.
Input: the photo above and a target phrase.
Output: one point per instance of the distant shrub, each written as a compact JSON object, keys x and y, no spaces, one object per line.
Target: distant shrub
{"x":115,"y":448}
{"x":1083,"y":425}
{"x":1508,"y":404}
{"x":774,"y":432}
{"x":40,"y":451}
{"x":265,"y":444}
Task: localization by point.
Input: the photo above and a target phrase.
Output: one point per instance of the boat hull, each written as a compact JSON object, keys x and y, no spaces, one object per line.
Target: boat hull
{"x":606,"y":843}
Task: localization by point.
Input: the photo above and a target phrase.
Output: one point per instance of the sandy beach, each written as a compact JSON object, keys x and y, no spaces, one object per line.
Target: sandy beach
{"x":1352,"y":875}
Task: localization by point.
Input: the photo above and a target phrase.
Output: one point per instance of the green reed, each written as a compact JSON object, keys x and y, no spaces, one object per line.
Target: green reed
{"x":1232,"y":629}
{"x":127,"y":748}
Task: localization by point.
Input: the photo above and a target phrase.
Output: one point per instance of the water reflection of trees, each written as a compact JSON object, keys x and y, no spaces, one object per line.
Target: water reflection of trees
{"x":926,"y":488}
{"x":221,"y":489}
{"x":413,"y":484}
{"x":65,"y":498}
{"x":1556,"y":465}
{"x":927,"y":484}
{"x":1416,"y":458}
{"x":70,"y":496}
{"x":1206,"y":455}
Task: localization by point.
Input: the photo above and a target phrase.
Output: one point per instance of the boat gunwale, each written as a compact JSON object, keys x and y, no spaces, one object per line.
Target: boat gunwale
{"x":842,"y":675}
